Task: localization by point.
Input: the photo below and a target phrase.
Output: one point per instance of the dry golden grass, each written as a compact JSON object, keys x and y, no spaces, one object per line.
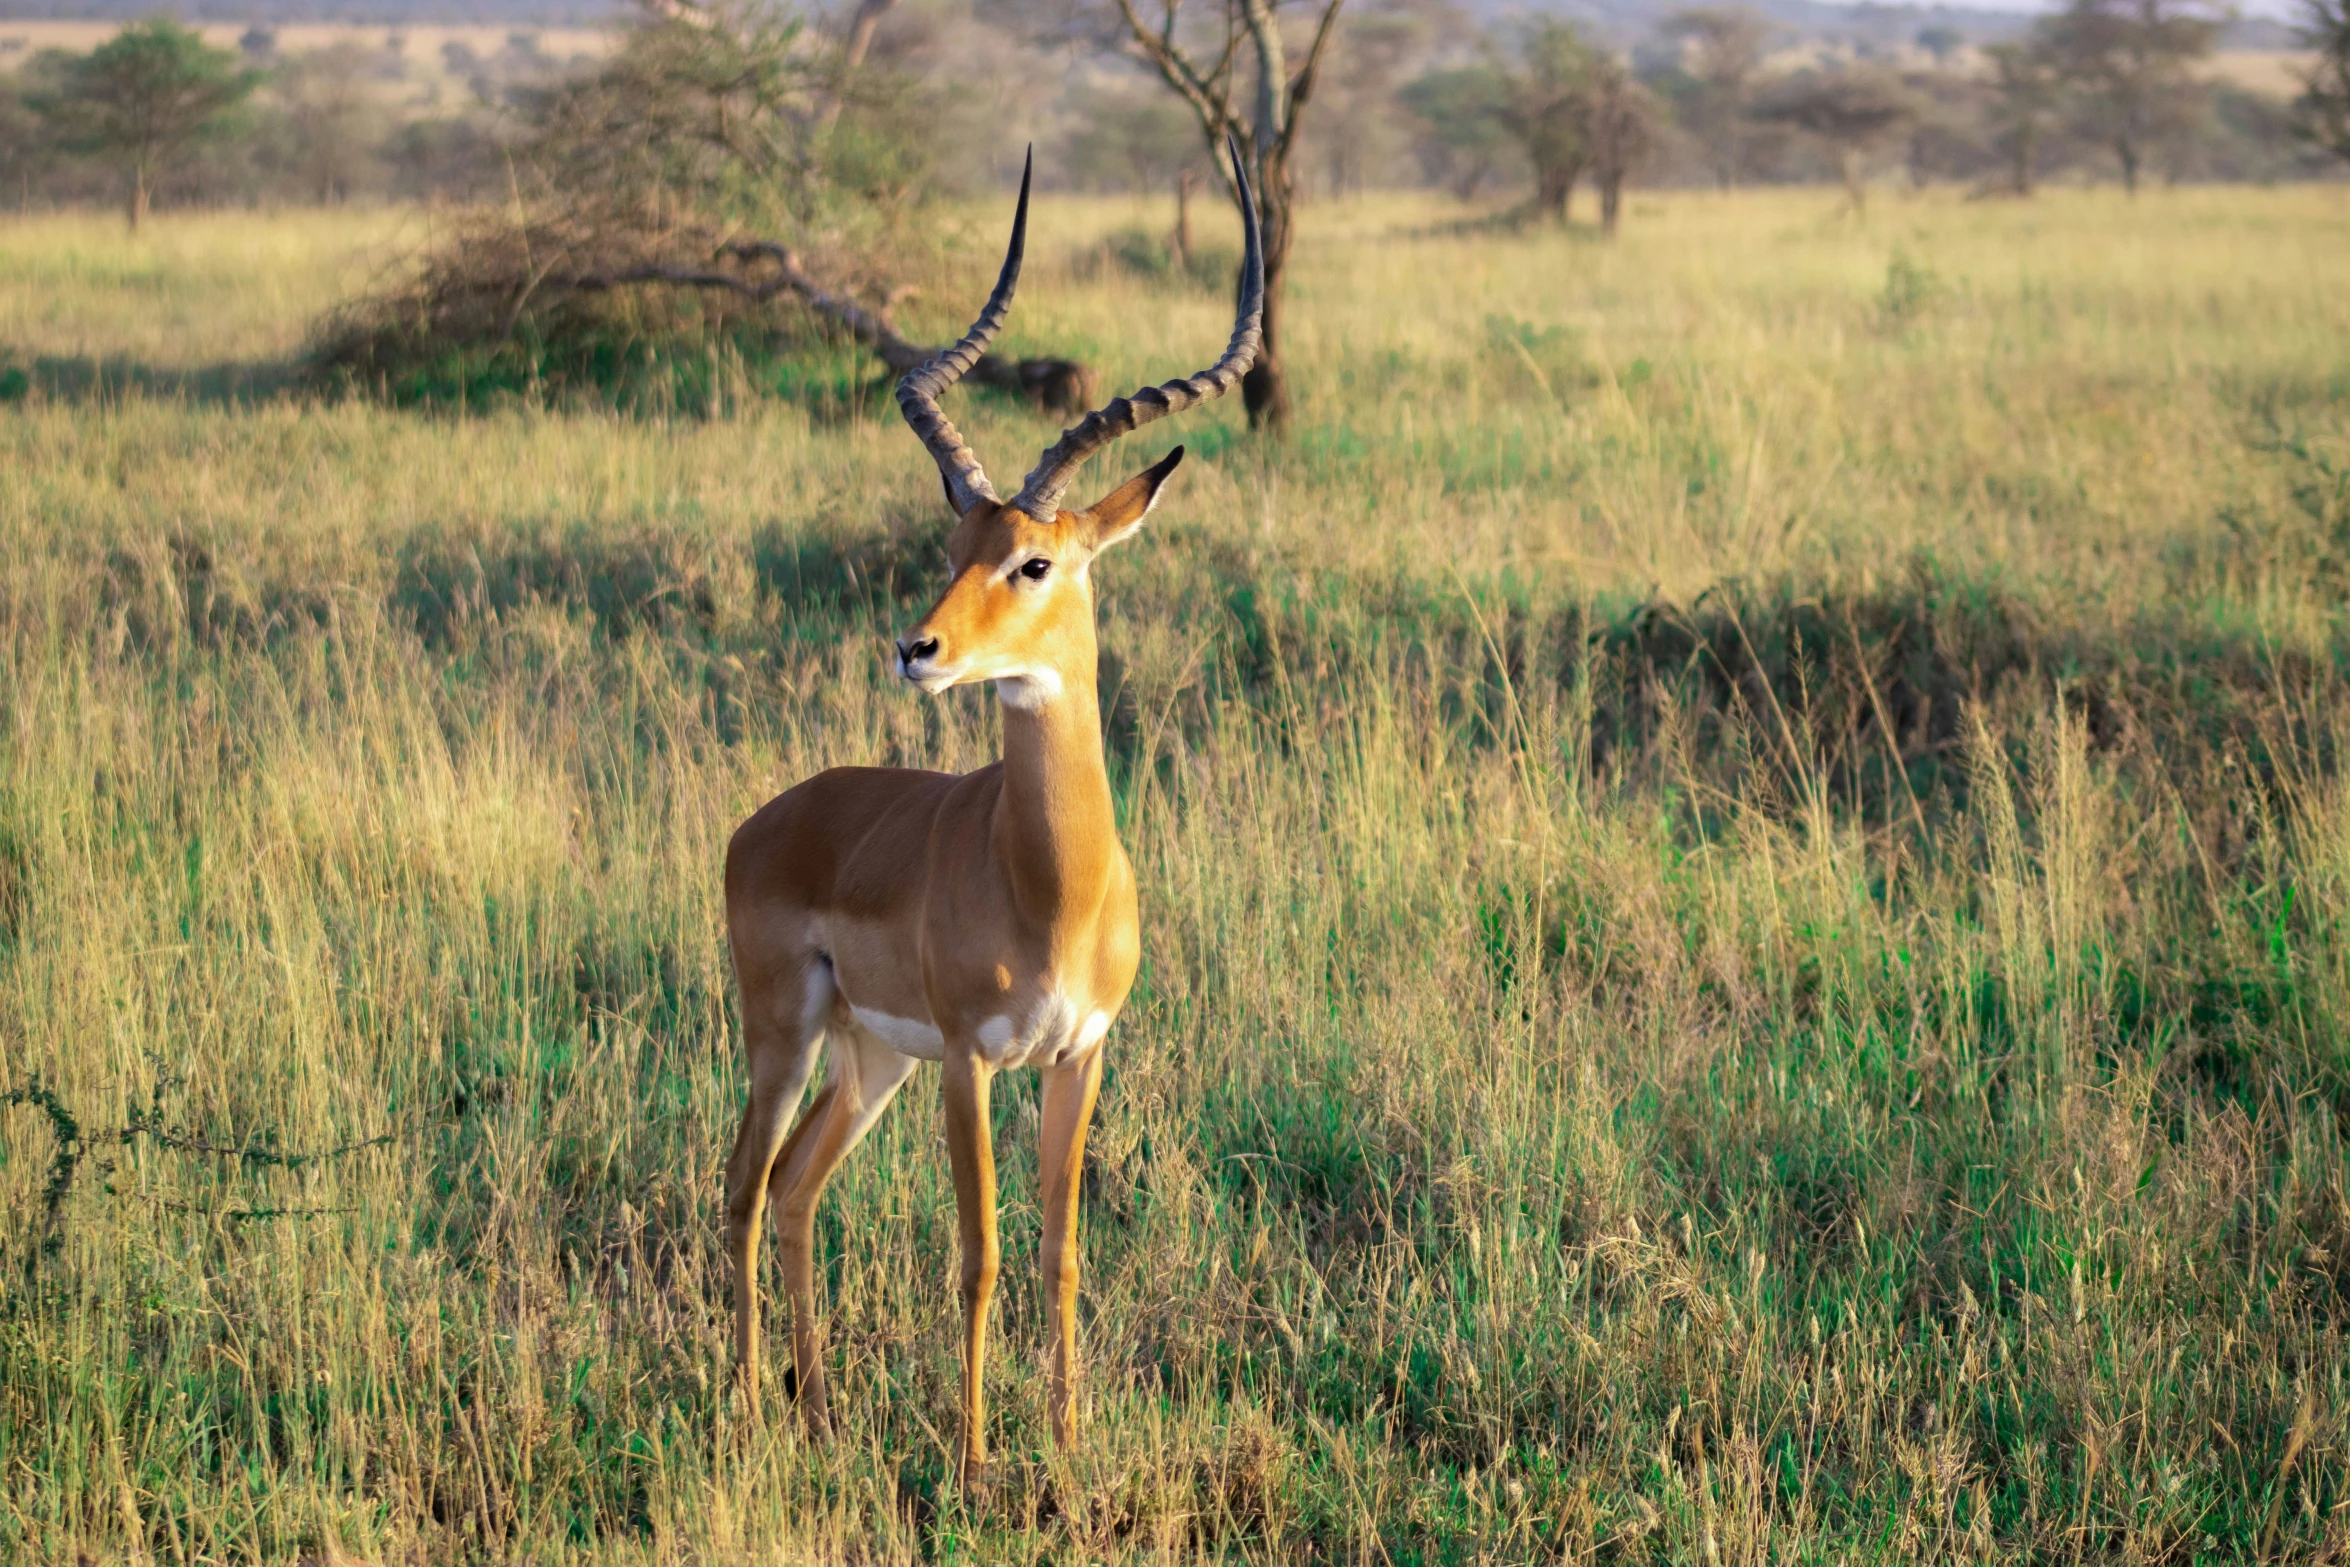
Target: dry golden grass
{"x":1745,"y":860}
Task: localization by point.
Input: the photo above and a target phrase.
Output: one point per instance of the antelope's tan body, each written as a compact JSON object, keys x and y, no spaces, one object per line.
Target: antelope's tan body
{"x":985,"y":922}
{"x":864,"y":885}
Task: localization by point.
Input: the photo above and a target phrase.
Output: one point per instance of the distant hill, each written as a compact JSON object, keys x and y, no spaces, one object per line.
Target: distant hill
{"x":1866,"y":24}
{"x":1625,"y":22}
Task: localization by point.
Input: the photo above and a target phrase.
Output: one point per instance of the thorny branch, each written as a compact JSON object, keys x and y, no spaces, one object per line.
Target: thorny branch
{"x":74,"y":1145}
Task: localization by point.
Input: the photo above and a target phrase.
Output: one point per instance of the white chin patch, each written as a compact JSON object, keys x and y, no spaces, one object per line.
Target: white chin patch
{"x":1029,"y":689}
{"x":931,"y":681}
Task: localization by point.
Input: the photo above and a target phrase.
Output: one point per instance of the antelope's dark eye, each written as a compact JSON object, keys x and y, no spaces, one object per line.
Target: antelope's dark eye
{"x":1037,"y":569}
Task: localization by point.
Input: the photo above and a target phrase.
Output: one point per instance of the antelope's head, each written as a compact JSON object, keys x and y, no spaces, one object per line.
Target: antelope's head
{"x":1018,"y":608}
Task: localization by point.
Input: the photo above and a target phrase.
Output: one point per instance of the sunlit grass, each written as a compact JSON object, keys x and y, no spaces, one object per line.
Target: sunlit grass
{"x":1744,"y":869}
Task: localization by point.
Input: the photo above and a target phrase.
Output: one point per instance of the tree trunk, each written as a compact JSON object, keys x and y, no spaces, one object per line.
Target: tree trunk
{"x":2023,"y":164}
{"x":852,"y":59}
{"x":1611,"y":200}
{"x":137,"y":207}
{"x":2127,"y":150}
{"x":1267,"y":132}
{"x":1554,"y":190}
{"x":1181,"y":243}
{"x":1264,"y":391}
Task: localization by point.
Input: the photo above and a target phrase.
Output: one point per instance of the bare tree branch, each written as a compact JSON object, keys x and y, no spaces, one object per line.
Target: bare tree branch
{"x":1267,"y":147}
{"x":1167,"y":57}
{"x":1061,"y":385}
{"x":1301,"y":87}
{"x":1208,"y":94}
{"x":862,"y":26}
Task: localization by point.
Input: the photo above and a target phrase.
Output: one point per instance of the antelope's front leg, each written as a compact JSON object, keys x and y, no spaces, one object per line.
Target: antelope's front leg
{"x":1069,"y":1091}
{"x":971,"y":1149}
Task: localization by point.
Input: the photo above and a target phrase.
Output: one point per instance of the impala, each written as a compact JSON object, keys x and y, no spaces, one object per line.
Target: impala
{"x":985,"y":922}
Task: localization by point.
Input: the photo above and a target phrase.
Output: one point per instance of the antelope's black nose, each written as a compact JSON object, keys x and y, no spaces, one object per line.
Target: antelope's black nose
{"x":912,"y":653}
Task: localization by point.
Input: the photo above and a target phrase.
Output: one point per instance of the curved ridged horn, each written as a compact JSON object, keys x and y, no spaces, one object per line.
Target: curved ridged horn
{"x":918,"y":389}
{"x":1040,"y":493}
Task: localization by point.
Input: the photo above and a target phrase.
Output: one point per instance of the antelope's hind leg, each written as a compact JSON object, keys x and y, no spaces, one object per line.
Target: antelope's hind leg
{"x":866,"y":1075}
{"x":786,"y":1000}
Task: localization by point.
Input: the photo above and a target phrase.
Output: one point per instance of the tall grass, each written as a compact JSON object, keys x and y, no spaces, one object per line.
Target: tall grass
{"x":1745,"y":855}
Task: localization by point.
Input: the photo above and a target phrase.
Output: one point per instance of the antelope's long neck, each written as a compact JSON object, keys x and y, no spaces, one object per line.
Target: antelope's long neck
{"x":1055,"y":833}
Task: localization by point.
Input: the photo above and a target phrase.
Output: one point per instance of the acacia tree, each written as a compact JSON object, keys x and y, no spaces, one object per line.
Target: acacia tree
{"x":2129,"y":62}
{"x":1852,"y":110}
{"x":1544,"y":108}
{"x":142,"y":101}
{"x":1248,"y":92}
{"x":1572,"y":109}
{"x":24,"y":151}
{"x":2024,"y":90}
{"x":1621,"y":127}
{"x":654,"y":176}
{"x":1724,"y":48}
{"x":1462,"y":106}
{"x":2322,"y":114}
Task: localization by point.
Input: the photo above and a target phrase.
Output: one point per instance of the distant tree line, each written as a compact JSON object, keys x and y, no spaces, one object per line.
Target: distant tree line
{"x":1395,"y":93}
{"x":156,"y":113}
{"x":2103,"y":88}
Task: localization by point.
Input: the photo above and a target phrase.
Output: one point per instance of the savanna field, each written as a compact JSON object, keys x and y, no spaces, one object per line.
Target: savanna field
{"x":1745,"y":859}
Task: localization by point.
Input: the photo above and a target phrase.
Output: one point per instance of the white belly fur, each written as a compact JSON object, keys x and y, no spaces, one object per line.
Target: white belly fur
{"x":1051,"y":1034}
{"x":916,"y":1037}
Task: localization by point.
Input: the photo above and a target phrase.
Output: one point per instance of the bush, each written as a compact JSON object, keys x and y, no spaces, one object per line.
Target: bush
{"x":703,"y":132}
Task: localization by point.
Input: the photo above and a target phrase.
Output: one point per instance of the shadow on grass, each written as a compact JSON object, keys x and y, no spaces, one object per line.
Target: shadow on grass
{"x":1508,"y":223}
{"x":631,"y":379}
{"x":81,"y":379}
{"x":1865,"y":700}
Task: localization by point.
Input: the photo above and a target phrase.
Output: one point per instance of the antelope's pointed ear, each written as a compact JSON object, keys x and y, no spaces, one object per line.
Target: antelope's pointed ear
{"x":1120,"y":512}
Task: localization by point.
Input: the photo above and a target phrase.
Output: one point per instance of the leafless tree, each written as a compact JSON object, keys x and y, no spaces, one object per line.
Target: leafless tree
{"x":1235,"y":74}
